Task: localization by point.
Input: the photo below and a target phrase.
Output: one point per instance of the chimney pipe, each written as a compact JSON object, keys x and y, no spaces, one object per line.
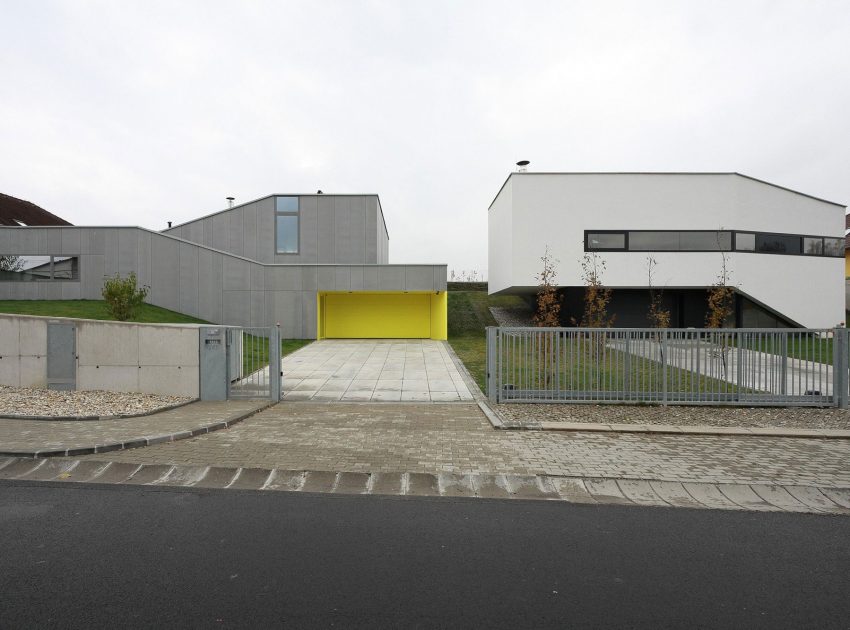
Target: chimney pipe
{"x":169,"y":224}
{"x":522,"y":166}
{"x":230,"y":201}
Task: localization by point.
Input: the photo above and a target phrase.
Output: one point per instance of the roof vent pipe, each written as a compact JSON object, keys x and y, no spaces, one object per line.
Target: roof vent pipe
{"x":522,"y":166}
{"x":230,"y":201}
{"x":169,"y":225}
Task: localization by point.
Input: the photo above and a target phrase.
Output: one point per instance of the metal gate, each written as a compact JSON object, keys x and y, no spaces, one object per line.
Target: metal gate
{"x":61,"y":356}
{"x":253,"y":363}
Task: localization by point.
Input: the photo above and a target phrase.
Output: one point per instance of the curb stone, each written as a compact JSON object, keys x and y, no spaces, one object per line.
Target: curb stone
{"x":136,"y":442}
{"x":576,"y":490}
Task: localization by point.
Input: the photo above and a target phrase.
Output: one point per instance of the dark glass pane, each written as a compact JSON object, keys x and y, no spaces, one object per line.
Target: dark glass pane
{"x":16,"y":268}
{"x":705,"y":241}
{"x":66,"y":268}
{"x":745,"y":242}
{"x":287,"y":234}
{"x":615,"y":240}
{"x":812,"y":246}
{"x":286,"y":204}
{"x":653,"y":241}
{"x":833,"y":247}
{"x":778,"y":243}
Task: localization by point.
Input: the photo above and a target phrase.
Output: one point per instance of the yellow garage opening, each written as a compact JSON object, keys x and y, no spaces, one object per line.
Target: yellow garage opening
{"x":382,"y":315}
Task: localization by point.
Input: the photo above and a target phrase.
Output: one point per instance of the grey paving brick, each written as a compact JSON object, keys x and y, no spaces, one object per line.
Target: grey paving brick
{"x":149,"y":473}
{"x":217,"y":477}
{"x":422,"y":484}
{"x":351,"y":483}
{"x":319,"y":481}
{"x":573,"y":490}
{"x":251,"y":478}
{"x":386,"y":483}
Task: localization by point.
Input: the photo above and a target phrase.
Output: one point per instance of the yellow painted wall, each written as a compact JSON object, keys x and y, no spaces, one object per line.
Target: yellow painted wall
{"x":385,"y":315}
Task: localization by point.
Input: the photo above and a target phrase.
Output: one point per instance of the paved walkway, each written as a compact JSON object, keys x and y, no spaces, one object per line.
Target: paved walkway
{"x":456,"y":438}
{"x":376,"y":370}
{"x":51,"y":437}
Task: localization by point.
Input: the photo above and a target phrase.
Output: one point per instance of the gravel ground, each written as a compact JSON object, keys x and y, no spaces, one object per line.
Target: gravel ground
{"x":23,"y":401}
{"x":796,"y":417}
{"x":512,"y":316}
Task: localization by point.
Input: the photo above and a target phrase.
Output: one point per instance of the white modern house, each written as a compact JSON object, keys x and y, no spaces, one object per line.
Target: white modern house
{"x":783,"y":249}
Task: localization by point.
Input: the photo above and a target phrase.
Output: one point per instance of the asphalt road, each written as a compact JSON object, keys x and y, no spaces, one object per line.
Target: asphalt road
{"x":124,"y":556}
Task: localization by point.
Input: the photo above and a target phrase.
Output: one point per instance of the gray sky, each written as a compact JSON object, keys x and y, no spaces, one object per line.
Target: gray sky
{"x":135,"y":113}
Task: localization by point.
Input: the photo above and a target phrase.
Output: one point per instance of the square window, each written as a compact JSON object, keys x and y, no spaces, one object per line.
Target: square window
{"x":813,"y":246}
{"x":833,"y":247}
{"x":286,"y":204}
{"x":745,"y":242}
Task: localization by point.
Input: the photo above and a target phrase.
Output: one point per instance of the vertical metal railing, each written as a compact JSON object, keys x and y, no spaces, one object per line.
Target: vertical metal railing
{"x":807,"y":367}
{"x":254,"y":363}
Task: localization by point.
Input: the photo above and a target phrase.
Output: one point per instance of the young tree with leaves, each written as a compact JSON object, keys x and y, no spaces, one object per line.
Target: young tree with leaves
{"x":659,"y":317}
{"x":597,"y":297}
{"x":548,"y":313}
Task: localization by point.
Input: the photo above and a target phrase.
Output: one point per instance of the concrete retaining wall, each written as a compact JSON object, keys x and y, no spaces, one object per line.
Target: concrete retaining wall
{"x":112,"y":356}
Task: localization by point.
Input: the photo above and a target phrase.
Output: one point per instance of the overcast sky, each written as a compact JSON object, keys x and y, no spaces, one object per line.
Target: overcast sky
{"x":136,"y":113}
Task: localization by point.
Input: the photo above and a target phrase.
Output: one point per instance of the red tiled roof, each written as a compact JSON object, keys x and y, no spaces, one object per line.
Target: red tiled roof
{"x":14,"y":211}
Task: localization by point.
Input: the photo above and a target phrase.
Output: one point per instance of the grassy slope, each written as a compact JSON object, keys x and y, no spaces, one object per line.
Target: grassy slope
{"x":92,"y":309}
{"x":468,"y":317}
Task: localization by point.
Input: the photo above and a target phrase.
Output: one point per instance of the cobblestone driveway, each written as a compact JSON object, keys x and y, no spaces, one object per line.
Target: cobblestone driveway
{"x":393,"y":437}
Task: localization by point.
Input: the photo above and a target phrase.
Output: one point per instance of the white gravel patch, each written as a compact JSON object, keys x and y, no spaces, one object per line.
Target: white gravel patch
{"x":512,"y":316}
{"x":772,"y":417}
{"x":25,"y":401}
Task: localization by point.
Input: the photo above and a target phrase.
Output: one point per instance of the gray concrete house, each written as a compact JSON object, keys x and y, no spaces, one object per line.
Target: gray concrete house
{"x":316,"y":264}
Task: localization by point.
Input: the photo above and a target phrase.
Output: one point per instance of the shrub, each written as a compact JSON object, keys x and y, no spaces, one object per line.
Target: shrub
{"x":123,"y":297}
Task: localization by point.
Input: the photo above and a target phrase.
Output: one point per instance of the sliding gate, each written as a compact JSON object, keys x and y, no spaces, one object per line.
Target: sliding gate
{"x":253,"y":363}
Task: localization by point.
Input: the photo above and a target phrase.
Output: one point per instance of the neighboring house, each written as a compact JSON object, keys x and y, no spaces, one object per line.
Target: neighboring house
{"x":17,"y":212}
{"x":783,"y":249}
{"x":316,"y":264}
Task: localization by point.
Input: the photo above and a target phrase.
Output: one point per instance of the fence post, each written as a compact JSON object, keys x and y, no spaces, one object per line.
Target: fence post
{"x":627,"y":365}
{"x":492,"y":393}
{"x":664,"y":367}
{"x":275,"y":367}
{"x":839,"y":368}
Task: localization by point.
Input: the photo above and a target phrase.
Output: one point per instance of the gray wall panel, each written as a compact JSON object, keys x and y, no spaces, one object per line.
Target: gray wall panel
{"x":258,"y":277}
{"x":93,"y":241}
{"x":110,"y":240}
{"x":287,"y":312}
{"x":370,"y":278}
{"x":357,"y":279}
{"x":283,"y":278}
{"x":24,"y":241}
{"x":326,"y":229}
{"x":5,"y":242}
{"x":357,"y":237}
{"x":326,"y":279}
{"x":210,"y":282}
{"x":342,"y":278}
{"x":390,"y":278}
{"x":249,"y":231}
{"x":208,"y":233}
{"x":308,"y":315}
{"x":221,"y":232}
{"x":258,"y":308}
{"x":265,"y":230}
{"x":165,"y":282}
{"x":92,"y":270}
{"x":309,"y":278}
{"x":54,"y":240}
{"x":237,"y":274}
{"x":128,"y":251}
{"x":342,"y":230}
{"x":143,"y":269}
{"x":236,"y":241}
{"x":371,"y":229}
{"x":71,"y":242}
{"x":237,"y":308}
{"x":309,"y":230}
{"x":70,"y":291}
{"x":189,"y":270}
{"x":419,"y":278}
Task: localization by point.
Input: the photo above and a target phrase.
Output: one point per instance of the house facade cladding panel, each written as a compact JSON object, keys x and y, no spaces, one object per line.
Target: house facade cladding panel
{"x":804,"y":289}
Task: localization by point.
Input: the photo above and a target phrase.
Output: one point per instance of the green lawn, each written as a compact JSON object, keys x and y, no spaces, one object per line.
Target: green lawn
{"x":92,"y":309}
{"x":255,"y":351}
{"x":808,"y":348}
{"x":468,"y":317}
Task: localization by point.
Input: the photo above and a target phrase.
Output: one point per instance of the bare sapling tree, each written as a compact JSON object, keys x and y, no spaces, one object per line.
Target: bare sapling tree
{"x":658,"y":316}
{"x":597,"y":296}
{"x":721,"y":306}
{"x":11,"y":263}
{"x":547,"y":315}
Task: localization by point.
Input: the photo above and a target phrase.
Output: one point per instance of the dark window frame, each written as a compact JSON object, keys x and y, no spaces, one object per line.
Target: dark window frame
{"x":287,"y":213}
{"x":624,"y":233}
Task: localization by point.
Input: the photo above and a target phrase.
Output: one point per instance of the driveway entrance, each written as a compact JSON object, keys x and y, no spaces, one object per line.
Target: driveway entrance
{"x":372,"y":370}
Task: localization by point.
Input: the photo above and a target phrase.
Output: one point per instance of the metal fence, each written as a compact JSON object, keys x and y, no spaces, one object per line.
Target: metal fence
{"x":253,"y":363}
{"x":744,"y":367}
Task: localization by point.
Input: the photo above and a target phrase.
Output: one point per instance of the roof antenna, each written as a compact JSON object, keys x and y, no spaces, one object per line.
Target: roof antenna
{"x":522,"y":166}
{"x":230,"y":201}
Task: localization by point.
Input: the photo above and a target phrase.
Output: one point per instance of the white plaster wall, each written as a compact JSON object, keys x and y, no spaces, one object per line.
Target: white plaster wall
{"x":556,"y":209}
{"x":500,"y":240}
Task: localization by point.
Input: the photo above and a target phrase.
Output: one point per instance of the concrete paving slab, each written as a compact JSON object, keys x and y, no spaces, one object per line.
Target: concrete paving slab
{"x":573,"y":490}
{"x":744,"y":496}
{"x":52,"y":468}
{"x":319,"y":481}
{"x":20,"y":468}
{"x":816,"y":499}
{"x":452,"y":485}
{"x":606,"y":491}
{"x":250,"y":479}
{"x":386,"y":483}
{"x":286,"y":480}
{"x":640,"y":492}
{"x":839,"y":496}
{"x":491,"y":486}
{"x":710,"y":496}
{"x":351,"y":483}
{"x":780,"y":497}
{"x":422,"y":484}
{"x":85,"y":471}
{"x":5,"y":461}
{"x":149,"y":473}
{"x":675,"y":494}
{"x":217,"y":477}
